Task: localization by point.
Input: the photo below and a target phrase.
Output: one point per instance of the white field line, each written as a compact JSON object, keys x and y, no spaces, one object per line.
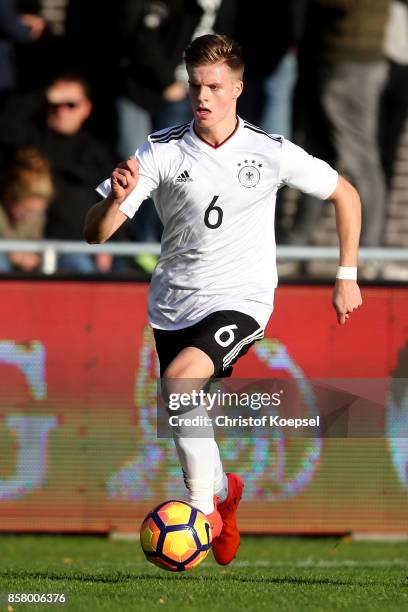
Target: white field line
{"x":301,"y":563}
{"x":356,"y":536}
{"x":380,"y":537}
{"x":324,"y":563}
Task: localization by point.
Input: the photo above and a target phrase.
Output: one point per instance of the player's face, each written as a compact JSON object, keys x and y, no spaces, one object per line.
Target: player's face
{"x":214,"y":90}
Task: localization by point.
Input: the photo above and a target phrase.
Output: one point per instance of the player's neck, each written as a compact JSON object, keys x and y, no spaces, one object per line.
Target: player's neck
{"x":217,"y":134}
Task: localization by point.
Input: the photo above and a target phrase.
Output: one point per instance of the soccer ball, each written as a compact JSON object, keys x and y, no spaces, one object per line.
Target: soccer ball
{"x":175,"y":536}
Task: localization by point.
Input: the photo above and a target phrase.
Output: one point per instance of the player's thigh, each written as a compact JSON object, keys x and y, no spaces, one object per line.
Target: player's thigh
{"x":191,"y":362}
{"x":183,"y":368}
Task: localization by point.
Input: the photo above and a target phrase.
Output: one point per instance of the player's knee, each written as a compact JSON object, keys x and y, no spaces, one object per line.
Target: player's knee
{"x":184,"y":376}
{"x":176,"y":370}
{"x":175,"y":381}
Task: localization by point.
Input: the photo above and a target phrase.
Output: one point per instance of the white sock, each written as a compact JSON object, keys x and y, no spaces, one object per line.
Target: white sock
{"x":197,"y":460}
{"x":220,"y":477}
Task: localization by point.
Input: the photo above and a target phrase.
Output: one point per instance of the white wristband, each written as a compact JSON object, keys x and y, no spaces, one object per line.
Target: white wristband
{"x":347,"y":273}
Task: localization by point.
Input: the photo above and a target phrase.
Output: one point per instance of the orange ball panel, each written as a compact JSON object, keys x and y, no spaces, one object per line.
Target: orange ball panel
{"x":175,"y":513}
{"x":179,"y":545}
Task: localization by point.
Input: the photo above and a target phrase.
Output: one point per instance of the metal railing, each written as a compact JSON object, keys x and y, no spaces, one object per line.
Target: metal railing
{"x":50,"y":249}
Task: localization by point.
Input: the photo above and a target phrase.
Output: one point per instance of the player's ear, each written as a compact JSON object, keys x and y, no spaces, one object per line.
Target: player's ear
{"x":238,"y":87}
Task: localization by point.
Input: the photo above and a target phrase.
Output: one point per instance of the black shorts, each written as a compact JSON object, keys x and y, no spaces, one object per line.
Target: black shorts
{"x":224,"y":336}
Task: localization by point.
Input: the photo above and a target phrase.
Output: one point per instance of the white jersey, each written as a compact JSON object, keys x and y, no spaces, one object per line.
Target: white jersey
{"x":217,"y":206}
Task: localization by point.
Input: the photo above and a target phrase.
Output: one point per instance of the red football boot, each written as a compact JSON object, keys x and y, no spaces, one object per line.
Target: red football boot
{"x":225,"y":546}
{"x":215,"y":520}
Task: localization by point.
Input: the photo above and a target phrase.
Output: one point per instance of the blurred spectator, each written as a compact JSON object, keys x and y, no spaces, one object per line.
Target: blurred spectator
{"x":25,"y":191}
{"x":14,"y":28}
{"x":86,"y":24}
{"x":394,"y":101}
{"x":53,"y":121}
{"x":270,"y":69}
{"x":343,"y":73}
{"x":154,"y":35}
{"x":270,"y":62}
{"x":37,"y":64}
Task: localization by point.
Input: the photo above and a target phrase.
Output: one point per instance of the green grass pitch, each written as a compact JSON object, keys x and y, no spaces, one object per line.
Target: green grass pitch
{"x":269,"y":574}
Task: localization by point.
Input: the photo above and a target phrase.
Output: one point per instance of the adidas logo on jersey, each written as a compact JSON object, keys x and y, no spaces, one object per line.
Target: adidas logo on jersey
{"x":184,"y":177}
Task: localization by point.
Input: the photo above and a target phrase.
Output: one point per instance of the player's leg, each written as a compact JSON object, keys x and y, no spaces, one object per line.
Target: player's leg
{"x":227,"y":336}
{"x":192,"y":368}
{"x":211,"y":347}
{"x":188,"y":372}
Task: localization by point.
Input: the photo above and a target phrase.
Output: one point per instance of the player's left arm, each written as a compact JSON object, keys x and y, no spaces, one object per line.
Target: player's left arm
{"x":346,"y":293}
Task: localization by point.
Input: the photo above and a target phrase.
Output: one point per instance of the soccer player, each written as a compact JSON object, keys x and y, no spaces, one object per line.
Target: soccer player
{"x":214,"y":183}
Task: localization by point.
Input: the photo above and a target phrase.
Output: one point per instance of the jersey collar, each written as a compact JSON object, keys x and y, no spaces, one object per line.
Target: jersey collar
{"x":206,"y":146}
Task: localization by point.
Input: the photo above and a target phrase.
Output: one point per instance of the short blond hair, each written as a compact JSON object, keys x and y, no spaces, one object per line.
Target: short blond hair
{"x":214,"y":48}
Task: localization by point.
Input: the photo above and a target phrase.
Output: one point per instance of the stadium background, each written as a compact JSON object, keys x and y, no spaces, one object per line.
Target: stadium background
{"x":78,"y":445}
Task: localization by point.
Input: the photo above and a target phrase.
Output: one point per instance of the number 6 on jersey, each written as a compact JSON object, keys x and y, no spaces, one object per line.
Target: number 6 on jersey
{"x":217,"y":215}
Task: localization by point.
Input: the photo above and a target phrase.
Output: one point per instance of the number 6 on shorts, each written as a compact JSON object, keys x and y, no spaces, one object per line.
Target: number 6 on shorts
{"x":227,"y":329}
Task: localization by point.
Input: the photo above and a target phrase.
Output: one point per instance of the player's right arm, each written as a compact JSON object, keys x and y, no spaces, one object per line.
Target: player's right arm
{"x":105,"y":218}
{"x":316,"y":177}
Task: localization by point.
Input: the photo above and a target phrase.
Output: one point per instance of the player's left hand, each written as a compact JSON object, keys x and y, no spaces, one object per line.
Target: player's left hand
{"x":346,"y":299}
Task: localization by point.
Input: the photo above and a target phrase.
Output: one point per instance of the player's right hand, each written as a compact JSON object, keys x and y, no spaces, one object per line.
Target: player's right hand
{"x":124,"y":179}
